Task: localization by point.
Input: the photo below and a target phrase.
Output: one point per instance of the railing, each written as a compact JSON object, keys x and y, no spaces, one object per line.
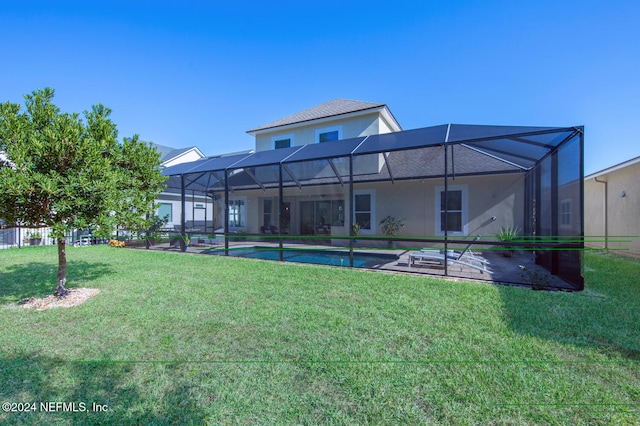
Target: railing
{"x":28,"y":237}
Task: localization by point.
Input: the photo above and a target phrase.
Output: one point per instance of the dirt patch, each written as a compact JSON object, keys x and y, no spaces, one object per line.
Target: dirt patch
{"x":76,"y":296}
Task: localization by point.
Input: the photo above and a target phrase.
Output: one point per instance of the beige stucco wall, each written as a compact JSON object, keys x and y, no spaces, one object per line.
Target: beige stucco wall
{"x":488,"y":196}
{"x":594,"y":228}
{"x":303,"y":134}
{"x":622,"y":212}
{"x":500,"y":196}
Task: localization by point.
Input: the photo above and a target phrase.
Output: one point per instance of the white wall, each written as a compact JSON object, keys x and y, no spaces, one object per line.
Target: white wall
{"x":185,"y":157}
{"x":213,"y":218}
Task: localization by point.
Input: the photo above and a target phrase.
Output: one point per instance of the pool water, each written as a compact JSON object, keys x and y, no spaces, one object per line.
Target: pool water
{"x":317,"y":257}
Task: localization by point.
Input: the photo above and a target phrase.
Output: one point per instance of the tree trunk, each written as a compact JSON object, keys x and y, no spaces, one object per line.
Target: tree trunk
{"x":61,"y":291}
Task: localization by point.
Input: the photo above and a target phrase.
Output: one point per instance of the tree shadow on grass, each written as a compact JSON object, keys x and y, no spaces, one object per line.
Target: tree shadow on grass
{"x":103,"y":392}
{"x":37,"y":279}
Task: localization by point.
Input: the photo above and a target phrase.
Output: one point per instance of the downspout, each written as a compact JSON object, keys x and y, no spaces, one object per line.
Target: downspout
{"x":604,"y":212}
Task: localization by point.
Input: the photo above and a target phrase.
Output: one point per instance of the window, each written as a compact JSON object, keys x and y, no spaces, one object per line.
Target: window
{"x":166,"y":210}
{"x":282,"y":141}
{"x":364,"y":214}
{"x":329,"y":134}
{"x":337,"y":213}
{"x":565,"y":213}
{"x":267,"y":212}
{"x":456,"y":205}
{"x":237,"y":212}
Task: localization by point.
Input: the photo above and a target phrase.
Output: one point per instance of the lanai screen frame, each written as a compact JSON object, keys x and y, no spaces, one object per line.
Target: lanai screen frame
{"x":524,"y":149}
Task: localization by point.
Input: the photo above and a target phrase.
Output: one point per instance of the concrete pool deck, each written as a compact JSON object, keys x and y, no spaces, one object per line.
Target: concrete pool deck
{"x":502,"y":270}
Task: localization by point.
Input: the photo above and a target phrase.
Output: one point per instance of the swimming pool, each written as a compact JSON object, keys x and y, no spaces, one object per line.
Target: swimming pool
{"x":317,"y":257}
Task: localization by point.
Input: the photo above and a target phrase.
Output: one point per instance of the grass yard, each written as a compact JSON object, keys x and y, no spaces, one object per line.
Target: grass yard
{"x":186,"y":339}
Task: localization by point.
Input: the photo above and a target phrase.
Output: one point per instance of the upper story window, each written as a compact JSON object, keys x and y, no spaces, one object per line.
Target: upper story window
{"x":328,"y":134}
{"x":282,"y":141}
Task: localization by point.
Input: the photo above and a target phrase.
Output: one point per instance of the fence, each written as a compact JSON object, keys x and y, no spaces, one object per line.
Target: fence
{"x":24,"y":237}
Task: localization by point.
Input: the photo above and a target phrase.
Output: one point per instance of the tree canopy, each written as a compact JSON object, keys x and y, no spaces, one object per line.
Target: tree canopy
{"x":64,"y":172}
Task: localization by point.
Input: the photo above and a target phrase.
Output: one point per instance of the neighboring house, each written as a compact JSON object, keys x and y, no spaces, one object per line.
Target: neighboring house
{"x":612,"y":203}
{"x":200,"y":212}
{"x":172,"y":156}
{"x":196,"y":206}
{"x":170,"y":203}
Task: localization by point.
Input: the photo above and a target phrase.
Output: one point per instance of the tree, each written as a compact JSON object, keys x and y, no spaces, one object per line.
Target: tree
{"x":64,"y":173}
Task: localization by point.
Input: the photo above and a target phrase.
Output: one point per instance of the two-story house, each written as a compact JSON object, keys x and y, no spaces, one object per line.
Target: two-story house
{"x":396,"y":184}
{"x":330,"y":121}
{"x":345,"y":165}
{"x":320,"y":211}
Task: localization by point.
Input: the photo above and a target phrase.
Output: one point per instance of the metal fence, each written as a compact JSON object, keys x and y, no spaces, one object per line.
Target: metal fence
{"x":27,"y":237}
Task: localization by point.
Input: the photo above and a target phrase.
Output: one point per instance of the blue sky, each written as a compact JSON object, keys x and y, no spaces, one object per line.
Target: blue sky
{"x":201,"y":73}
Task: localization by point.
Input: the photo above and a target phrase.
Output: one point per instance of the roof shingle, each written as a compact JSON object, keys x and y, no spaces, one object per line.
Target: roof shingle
{"x":328,"y":109}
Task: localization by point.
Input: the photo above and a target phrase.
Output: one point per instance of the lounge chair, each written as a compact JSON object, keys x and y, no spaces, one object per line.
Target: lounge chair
{"x":464,"y":257}
{"x":461,"y":255}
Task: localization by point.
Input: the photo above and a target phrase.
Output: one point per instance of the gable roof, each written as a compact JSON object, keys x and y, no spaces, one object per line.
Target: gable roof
{"x":168,"y":153}
{"x":332,"y":108}
{"x":614,"y":168}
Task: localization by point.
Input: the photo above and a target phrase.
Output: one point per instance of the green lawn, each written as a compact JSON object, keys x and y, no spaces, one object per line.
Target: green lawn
{"x":190,"y":339}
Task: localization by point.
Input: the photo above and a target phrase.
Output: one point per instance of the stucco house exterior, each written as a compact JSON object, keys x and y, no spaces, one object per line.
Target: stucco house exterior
{"x":334,"y":120}
{"x":612,"y":203}
{"x":321,"y":210}
{"x":331,"y":173}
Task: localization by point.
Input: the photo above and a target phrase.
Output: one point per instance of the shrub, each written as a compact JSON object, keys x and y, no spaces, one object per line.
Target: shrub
{"x":391,"y":225}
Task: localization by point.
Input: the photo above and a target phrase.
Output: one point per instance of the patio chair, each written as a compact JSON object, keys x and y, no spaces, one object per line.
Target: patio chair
{"x":465,"y":253}
{"x":464,"y":257}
